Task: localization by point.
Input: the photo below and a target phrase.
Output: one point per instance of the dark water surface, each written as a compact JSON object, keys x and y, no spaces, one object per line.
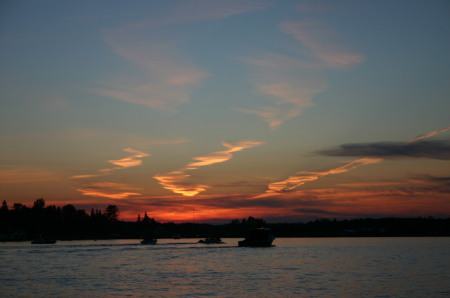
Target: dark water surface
{"x":295,"y":267}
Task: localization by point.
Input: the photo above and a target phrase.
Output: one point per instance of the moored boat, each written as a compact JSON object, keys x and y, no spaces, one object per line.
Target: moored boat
{"x":149,"y":241}
{"x":211,"y":240}
{"x":43,"y":241}
{"x":261,"y":237}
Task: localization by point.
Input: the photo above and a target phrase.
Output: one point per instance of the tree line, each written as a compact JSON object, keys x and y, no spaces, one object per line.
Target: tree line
{"x":69,"y":223}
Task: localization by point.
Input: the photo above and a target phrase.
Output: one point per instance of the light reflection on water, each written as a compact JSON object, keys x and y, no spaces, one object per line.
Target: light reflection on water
{"x":306,"y":267}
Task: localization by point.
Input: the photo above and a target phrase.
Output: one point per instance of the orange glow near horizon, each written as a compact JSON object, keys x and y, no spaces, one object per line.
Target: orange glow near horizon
{"x":301,"y":205}
{"x":379,"y":200}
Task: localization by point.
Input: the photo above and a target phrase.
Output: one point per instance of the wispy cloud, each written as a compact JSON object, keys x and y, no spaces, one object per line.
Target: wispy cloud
{"x":164,"y":78}
{"x":413,"y":148}
{"x":417,"y":149}
{"x":374,"y":153}
{"x":320,"y":41}
{"x":135,"y":159}
{"x":303,"y":177}
{"x":292,"y":82}
{"x":175,"y":181}
{"x":428,"y":135}
{"x":432,"y":179}
{"x":281,"y":79}
{"x":130,"y":161}
{"x":109,"y":190}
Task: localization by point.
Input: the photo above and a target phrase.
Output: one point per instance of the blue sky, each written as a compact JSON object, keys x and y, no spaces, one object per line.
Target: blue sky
{"x":169,"y":106}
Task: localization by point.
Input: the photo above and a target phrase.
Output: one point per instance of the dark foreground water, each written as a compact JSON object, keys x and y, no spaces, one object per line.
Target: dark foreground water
{"x":295,"y":267}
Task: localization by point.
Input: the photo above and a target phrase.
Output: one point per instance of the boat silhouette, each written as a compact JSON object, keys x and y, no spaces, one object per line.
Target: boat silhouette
{"x":260,"y":237}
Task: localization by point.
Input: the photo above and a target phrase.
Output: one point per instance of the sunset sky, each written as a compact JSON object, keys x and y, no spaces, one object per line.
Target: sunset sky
{"x":211,"y":110}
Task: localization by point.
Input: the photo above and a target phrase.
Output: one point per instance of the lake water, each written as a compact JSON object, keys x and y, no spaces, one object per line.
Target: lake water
{"x":294,"y":267}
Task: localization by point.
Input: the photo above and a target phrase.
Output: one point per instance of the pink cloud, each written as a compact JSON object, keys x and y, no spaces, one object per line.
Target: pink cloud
{"x":165,"y":78}
{"x":320,"y":42}
{"x":292,"y":82}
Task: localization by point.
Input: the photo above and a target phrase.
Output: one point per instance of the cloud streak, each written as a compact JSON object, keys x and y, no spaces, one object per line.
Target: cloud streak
{"x":165,"y":78}
{"x":428,"y":135}
{"x":291,"y":82}
{"x":109,"y":190}
{"x":134,"y":160}
{"x":175,"y":181}
{"x":374,"y":153}
{"x":112,"y":190}
{"x":279,"y":78}
{"x":303,"y":177}
{"x":319,"y":40}
{"x":414,"y":149}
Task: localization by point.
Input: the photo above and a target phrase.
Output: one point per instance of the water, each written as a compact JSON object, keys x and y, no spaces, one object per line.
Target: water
{"x":295,"y":267}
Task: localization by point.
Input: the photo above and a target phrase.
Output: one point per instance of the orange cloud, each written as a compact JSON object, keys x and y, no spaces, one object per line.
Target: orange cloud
{"x":127,"y":162}
{"x":369,"y":201}
{"x":175,"y":180}
{"x":301,"y":178}
{"x":428,"y":135}
{"x":109,"y":190}
{"x":131,"y":161}
{"x":221,"y":156}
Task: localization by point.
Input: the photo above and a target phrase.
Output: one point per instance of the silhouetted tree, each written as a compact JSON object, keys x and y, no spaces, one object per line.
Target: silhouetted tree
{"x":68,"y":212}
{"x":4,"y":207}
{"x":147,"y":220}
{"x":112,"y":213}
{"x":39,"y":204}
{"x":17,"y":207}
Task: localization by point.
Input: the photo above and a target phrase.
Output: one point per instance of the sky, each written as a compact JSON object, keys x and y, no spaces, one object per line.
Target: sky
{"x":213,"y":110}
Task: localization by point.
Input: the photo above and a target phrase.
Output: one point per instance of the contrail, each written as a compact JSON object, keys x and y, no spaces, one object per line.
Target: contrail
{"x":428,"y":135}
{"x":301,"y":178}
